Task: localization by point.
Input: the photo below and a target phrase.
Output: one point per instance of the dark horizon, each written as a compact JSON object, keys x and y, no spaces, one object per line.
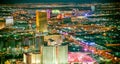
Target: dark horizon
{"x":56,"y":1}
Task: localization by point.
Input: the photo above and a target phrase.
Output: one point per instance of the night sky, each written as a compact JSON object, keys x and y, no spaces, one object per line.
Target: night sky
{"x":56,"y":1}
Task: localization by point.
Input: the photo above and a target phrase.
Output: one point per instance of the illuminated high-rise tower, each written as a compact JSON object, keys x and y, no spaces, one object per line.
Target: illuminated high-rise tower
{"x":2,"y":23}
{"x":55,"y":55}
{"x":48,"y":13}
{"x":93,"y":8}
{"x":41,"y":21}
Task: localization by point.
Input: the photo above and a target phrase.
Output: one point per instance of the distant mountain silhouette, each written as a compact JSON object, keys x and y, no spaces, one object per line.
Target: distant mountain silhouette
{"x":56,"y":1}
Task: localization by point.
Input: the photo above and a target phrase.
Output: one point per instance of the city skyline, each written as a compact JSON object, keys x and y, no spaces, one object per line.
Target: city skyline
{"x":59,"y":32}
